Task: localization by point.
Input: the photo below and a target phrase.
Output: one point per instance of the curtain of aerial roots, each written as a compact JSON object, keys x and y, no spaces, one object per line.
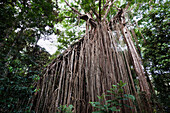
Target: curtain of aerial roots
{"x":89,"y":68}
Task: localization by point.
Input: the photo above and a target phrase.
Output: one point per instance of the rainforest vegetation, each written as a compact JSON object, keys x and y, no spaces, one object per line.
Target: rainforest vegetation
{"x":96,"y":68}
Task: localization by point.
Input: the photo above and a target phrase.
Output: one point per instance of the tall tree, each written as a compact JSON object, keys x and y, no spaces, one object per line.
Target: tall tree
{"x":104,"y":56}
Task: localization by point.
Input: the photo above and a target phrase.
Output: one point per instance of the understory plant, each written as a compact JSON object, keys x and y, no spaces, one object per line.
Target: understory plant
{"x":116,"y":93}
{"x":65,"y":109}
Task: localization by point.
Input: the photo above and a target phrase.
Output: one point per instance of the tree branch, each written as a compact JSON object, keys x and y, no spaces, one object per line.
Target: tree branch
{"x":108,"y":9}
{"x":127,"y":6}
{"x":97,"y":15}
{"x":106,"y":5}
{"x":75,"y":10}
{"x":91,"y":21}
{"x":131,"y":8}
{"x":100,"y":10}
{"x":84,"y":17}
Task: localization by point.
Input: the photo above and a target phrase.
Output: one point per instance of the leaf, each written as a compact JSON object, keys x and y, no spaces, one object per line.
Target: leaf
{"x":113,"y":108}
{"x":94,"y":104}
{"x":109,"y":91}
{"x":115,"y":86}
{"x":130,"y":96}
{"x":99,"y":97}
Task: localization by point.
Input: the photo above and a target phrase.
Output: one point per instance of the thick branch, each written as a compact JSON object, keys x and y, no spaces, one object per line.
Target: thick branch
{"x":91,"y":21}
{"x":100,"y":10}
{"x":84,"y":17}
{"x":97,"y":15}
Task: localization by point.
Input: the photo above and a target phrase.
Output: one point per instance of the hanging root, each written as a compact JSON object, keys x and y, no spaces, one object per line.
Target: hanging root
{"x":89,"y":68}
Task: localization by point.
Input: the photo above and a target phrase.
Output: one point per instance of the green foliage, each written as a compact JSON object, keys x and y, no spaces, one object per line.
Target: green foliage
{"x":73,"y":28}
{"x":21,"y":59}
{"x":65,"y":109}
{"x":117,"y":93}
{"x":68,"y":28}
{"x":156,"y":51}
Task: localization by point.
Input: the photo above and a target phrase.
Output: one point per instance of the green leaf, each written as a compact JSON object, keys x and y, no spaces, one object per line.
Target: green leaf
{"x":130,"y":96}
{"x":113,"y":108}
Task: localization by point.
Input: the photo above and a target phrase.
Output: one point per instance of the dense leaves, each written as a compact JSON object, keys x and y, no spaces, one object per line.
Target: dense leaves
{"x":21,"y":60}
{"x":156,"y":49}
